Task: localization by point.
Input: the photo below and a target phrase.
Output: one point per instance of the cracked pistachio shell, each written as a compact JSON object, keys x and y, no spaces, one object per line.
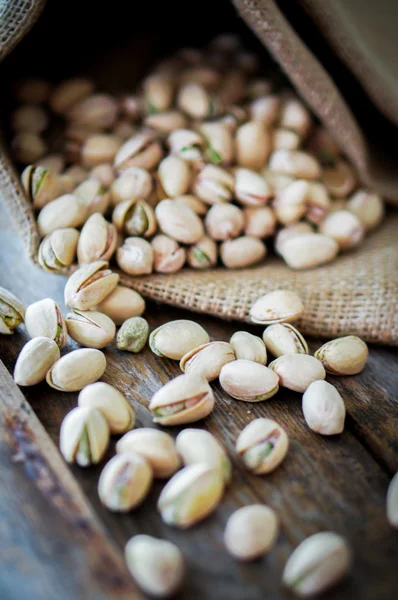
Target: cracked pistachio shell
{"x":279,"y":306}
{"x":134,"y":218}
{"x":259,"y":222}
{"x":368,"y":207}
{"x":392,"y":502}
{"x":70,"y":92}
{"x":224,"y":221}
{"x":58,"y":250}
{"x":252,"y":145}
{"x":194,"y":100}
{"x":289,"y":232}
{"x":323,"y":408}
{"x":40,"y":184}
{"x":295,"y":163}
{"x":339,"y":179}
{"x":251,"y":531}
{"x":199,"y":446}
{"x":156,"y":565}
{"x":93,"y":196}
{"x":132,"y":184}
{"x":53,"y":162}
{"x":262,"y":445}
{"x":343,"y":356}
{"x":242,"y":252}
{"x":219,"y":143}
{"x":308,"y":250}
{"x":96,"y":112}
{"x":166,"y":122}
{"x":169,"y":256}
{"x":265,"y":109}
{"x":97,"y":240}
{"x":191,"y":495}
{"x":124,"y":482}
{"x":65,"y":211}
{"x":251,"y":189}
{"x":319,"y":203}
{"x":295,"y":116}
{"x":156,"y":446}
{"x":75,"y":370}
{"x":179,"y":222}
{"x":34,"y":360}
{"x":297,"y":371}
{"x":185,"y":399}
{"x":121,"y":304}
{"x":99,"y":148}
{"x":214,"y":185}
{"x":84,"y":436}
{"x":208,"y":359}
{"x":90,"y":328}
{"x":141,"y":150}
{"x":89,"y":285}
{"x":203,"y":254}
{"x":248,"y":347}
{"x":133,"y":335}
{"x":317,"y":564}
{"x":12,"y":312}
{"x":158,"y":90}
{"x":344,"y":227}
{"x":283,"y":338}
{"x":285,"y":139}
{"x":248,"y":381}
{"x":119,"y":414}
{"x":174,"y":175}
{"x":44,"y":319}
{"x":135,"y":256}
{"x":187,"y":144}
{"x":198,"y":206}
{"x":291,"y":202}
{"x":175,"y":338}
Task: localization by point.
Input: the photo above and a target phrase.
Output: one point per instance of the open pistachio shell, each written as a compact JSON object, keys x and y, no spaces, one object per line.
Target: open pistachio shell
{"x":90,"y":328}
{"x":89,"y":285}
{"x":200,"y":446}
{"x":156,"y":446}
{"x":207,"y":360}
{"x":248,"y":381}
{"x":97,"y":240}
{"x":75,"y":370}
{"x":44,"y":318}
{"x":175,"y":338}
{"x":124,"y":482}
{"x":12,"y":312}
{"x":262,"y":445}
{"x":283,"y":338}
{"x":84,"y":436}
{"x":279,"y":306}
{"x":57,"y":251}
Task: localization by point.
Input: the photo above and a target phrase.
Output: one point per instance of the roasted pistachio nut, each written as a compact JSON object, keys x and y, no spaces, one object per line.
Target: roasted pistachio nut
{"x":93,"y":196}
{"x":134,"y":217}
{"x":175,"y":338}
{"x":187,"y":144}
{"x":158,"y":92}
{"x":97,"y":240}
{"x":90,"y":328}
{"x":185,"y":399}
{"x":169,"y":256}
{"x":44,"y":319}
{"x":251,"y":189}
{"x":179,"y":222}
{"x":297,"y":371}
{"x":392,"y":502}
{"x":58,"y":250}
{"x":124,"y":482}
{"x":339,"y":179}
{"x":33,"y":89}
{"x":89,"y":285}
{"x":265,"y":109}
{"x":12,"y":312}
{"x":156,"y":446}
{"x":242,"y":252}
{"x":135,"y":256}
{"x":278,"y":306}
{"x":99,"y":148}
{"x":141,"y":150}
{"x":251,"y":531}
{"x":289,"y":232}
{"x":194,"y":100}
{"x":214,"y":185}
{"x":199,"y":446}
{"x":28,"y":147}
{"x":219,"y":143}
{"x":285,"y":139}
{"x":248,"y":347}
{"x":224,"y":221}
{"x":262,"y":445}
{"x":259,"y":222}
{"x":166,"y":122}
{"x":252,"y":145}
{"x":208,"y":359}
{"x":344,"y":227}
{"x":368,"y":207}
{"x":323,"y":408}
{"x":34,"y":360}
{"x":319,"y":203}
{"x":84,"y":436}
{"x":121,"y":304}
{"x":283,"y":338}
{"x":77,"y":369}
{"x":295,"y":116}
{"x":70,"y":92}
{"x":203,"y":254}
{"x":156,"y":565}
{"x":63,"y":212}
{"x":248,"y":381}
{"x":174,"y":175}
{"x":318,"y":563}
{"x":40,"y":184}
{"x":308,"y":250}
{"x":119,"y":414}
{"x":96,"y":112}
{"x":132,"y":184}
{"x":191,"y":495}
{"x":104,"y":173}
{"x":295,"y":163}
{"x":343,"y":356}
{"x":291,"y":202}
{"x":133,"y":335}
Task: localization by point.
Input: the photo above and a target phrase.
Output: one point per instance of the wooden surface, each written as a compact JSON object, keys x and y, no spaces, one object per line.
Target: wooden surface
{"x":57,"y":541}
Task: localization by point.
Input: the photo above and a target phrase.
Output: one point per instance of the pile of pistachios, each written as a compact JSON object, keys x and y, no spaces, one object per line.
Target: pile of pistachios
{"x":203,"y":163}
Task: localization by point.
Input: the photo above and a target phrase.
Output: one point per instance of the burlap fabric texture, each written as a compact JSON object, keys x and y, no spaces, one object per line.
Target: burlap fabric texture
{"x":356,"y":294}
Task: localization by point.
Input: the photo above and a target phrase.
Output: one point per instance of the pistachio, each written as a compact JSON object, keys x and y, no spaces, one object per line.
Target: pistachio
{"x":248,"y":381}
{"x":252,"y":145}
{"x":141,"y":150}
{"x":135,"y":256}
{"x":133,"y":335}
{"x":158,"y":92}
{"x":339,"y":179}
{"x":97,"y":240}
{"x":289,"y":232}
{"x":295,"y":163}
{"x":291,"y":202}
{"x":12,"y":312}
{"x":265,"y":109}
{"x":203,"y":254}
{"x":259,"y":222}
{"x":224,"y":221}
{"x":191,"y":495}
{"x":242,"y":252}
{"x":185,"y":399}
{"x":103,"y":173}
{"x":179,"y":222}
{"x":44,"y":319}
{"x":214,"y":185}
{"x":297,"y":371}
{"x":318,"y":563}
{"x":283,"y":338}
{"x":33,"y":89}
{"x":97,"y":112}
{"x":285,"y":139}
{"x":262,"y":445}
{"x":248,"y":347}
{"x":166,"y":122}
{"x":279,"y":306}
{"x":40,"y":184}
{"x":99,"y":148}
{"x":91,"y":329}
{"x":71,"y":178}
{"x":277,"y":181}
{"x":134,"y":217}
{"x":323,"y":408}
{"x":251,"y":189}
{"x":319,"y":203}
{"x":119,"y":414}
{"x":208,"y":359}
{"x":132,"y":184}
{"x":28,"y":147}
{"x":84,"y":436}
{"x":194,"y":100}
{"x":169,"y":257}
{"x":156,"y":565}
{"x":308,"y":250}
{"x":34,"y":360}
{"x":75,"y":370}
{"x":368,"y":207}
{"x":294,"y":115}
{"x":93,"y":196}
{"x":156,"y":446}
{"x":251,"y":531}
{"x":52,"y":162}
{"x":219,"y":143}
{"x":29,"y":118}
{"x":187,"y":144}
{"x":344,"y":227}
{"x":58,"y":250}
{"x":124,"y":482}
{"x":174,"y":175}
{"x":199,"y":446}
{"x":392,"y":502}
{"x":89,"y":285}
{"x":63,"y":212}
{"x":121,"y":304}
{"x":70,"y":92}
{"x":343,"y":356}
{"x":175,"y":338}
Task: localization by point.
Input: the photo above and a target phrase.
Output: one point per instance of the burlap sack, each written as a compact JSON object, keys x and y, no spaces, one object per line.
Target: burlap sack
{"x":356,"y":294}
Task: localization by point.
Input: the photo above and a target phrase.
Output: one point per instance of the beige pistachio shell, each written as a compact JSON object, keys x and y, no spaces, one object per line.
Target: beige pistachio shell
{"x":169,"y":256}
{"x":279,"y":306}
{"x":219,"y":143}
{"x":179,"y":222}
{"x":251,"y":531}
{"x":121,"y":304}
{"x":174,"y":175}
{"x":133,"y":335}
{"x":198,"y":206}
{"x":156,"y":446}
{"x":259,"y":222}
{"x":265,"y":109}
{"x":166,"y":122}
{"x":283,"y":338}
{"x":70,"y":92}
{"x":97,"y":112}
{"x":175,"y":338}
{"x":343,"y":356}
{"x":135,"y":256}
{"x":242,"y":252}
{"x":77,"y":369}
{"x":323,"y":408}
{"x":132,"y":184}
{"x":285,"y":139}
{"x":344,"y":227}
{"x":199,"y":446}
{"x":295,"y":163}
{"x":158,"y":92}
{"x":186,"y":144}
{"x":295,"y":116}
{"x":134,"y":217}
{"x":84,"y":436}
{"x":291,"y":202}
{"x":251,"y":189}
{"x":89,"y":285}
{"x":141,"y":150}
{"x":119,"y":414}
{"x":289,"y":232}
{"x":214,"y":185}
{"x":368,"y":207}
{"x":65,"y":211}
{"x":12,"y":312}
{"x":90,"y":328}
{"x":252,"y":145}
{"x":97,"y":240}
{"x":248,"y":347}
{"x":248,"y":381}
{"x":99,"y":148}
{"x":57,"y":251}
{"x":224,"y":222}
{"x":262,"y":445}
{"x":203,"y":254}
{"x":40,"y":184}
{"x":44,"y":318}
{"x":208,"y":359}
{"x":297,"y":371}
{"x":309,"y":250}
{"x":124,"y":482}
{"x":93,"y":196}
{"x":34,"y":360}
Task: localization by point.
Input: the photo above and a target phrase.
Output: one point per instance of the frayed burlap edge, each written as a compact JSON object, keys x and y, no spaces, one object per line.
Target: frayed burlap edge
{"x":17,"y":18}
